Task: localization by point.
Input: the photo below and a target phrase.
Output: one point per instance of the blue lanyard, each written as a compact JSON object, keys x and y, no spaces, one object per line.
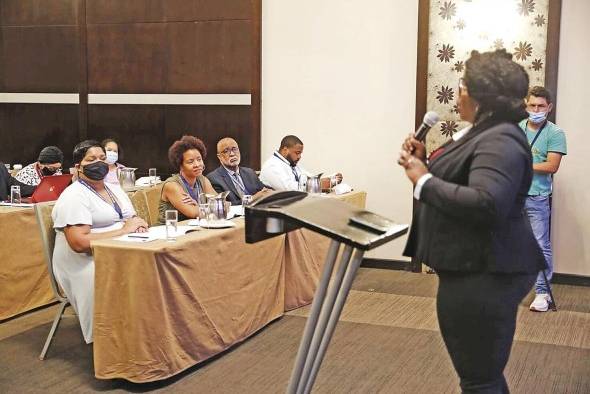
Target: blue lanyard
{"x":113,"y":199}
{"x":190,"y":189}
{"x":289,"y":164}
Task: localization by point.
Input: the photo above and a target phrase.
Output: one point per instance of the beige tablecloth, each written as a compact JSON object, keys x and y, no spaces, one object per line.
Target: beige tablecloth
{"x":305,"y":252}
{"x":24,"y":280}
{"x":161,"y":307}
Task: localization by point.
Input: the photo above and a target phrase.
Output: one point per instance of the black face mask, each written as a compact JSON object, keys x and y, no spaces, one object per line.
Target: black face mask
{"x":46,"y":171}
{"x":96,"y":171}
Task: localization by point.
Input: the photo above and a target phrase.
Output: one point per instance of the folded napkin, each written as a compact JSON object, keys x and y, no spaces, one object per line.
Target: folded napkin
{"x":342,"y":188}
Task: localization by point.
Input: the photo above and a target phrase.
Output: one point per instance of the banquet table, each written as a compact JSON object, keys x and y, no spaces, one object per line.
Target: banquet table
{"x":24,"y":280}
{"x":161,"y":307}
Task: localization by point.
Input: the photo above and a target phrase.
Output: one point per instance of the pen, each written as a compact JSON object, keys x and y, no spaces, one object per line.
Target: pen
{"x":138,"y":236}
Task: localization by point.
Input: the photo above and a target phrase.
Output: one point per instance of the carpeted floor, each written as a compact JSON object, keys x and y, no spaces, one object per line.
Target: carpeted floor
{"x":387,"y":342}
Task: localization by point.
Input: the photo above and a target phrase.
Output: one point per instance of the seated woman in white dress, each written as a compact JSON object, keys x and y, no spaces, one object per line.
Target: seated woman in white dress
{"x":87,"y":210}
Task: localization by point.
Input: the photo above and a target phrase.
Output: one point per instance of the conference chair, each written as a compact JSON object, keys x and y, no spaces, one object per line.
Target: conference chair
{"x":43,"y":214}
{"x":140,"y":204}
{"x":152,"y":196}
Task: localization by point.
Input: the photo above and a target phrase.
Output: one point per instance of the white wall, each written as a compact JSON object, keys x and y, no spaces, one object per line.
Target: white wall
{"x":571,"y":212}
{"x":340,"y":74}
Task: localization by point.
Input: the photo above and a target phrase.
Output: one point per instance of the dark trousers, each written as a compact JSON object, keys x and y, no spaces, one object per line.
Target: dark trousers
{"x":477,"y":319}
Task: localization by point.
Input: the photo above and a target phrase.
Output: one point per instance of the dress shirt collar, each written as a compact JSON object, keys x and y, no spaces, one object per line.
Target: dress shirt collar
{"x":230,"y":172}
{"x":281,"y":158}
{"x":461,"y":133}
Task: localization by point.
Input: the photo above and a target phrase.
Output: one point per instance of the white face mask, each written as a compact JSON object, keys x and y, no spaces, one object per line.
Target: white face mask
{"x":112,"y":157}
{"x":537,"y":117}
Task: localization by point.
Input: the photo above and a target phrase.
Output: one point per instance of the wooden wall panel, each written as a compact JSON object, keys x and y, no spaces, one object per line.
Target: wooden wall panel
{"x":203,"y":57}
{"x":147,"y":131}
{"x":27,"y":128}
{"x":223,"y":57}
{"x":139,"y":11}
{"x":39,"y":59}
{"x":223,"y":9}
{"x":127,"y":58}
{"x":142,"y":11}
{"x":38,"y":12}
{"x":130,"y":46}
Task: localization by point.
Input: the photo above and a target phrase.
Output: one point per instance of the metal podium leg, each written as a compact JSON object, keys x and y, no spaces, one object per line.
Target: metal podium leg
{"x":312,"y":320}
{"x":340,"y":300}
{"x":325,"y":314}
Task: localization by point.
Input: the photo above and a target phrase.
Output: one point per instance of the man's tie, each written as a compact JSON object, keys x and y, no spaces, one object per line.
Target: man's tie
{"x":240,"y":183}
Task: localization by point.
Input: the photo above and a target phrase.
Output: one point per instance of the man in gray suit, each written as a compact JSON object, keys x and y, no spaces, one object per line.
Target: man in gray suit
{"x":229,"y":176}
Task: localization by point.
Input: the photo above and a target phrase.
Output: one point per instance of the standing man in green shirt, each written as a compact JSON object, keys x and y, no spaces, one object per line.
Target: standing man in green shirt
{"x":547,"y":147}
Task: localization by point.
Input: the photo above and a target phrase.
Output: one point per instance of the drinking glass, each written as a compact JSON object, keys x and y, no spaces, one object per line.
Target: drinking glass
{"x":15,"y":195}
{"x":333,"y":182}
{"x":203,"y":213}
{"x":202,"y":199}
{"x":152,"y":175}
{"x":171,"y":224}
{"x":7,"y":167}
{"x":246,"y":201}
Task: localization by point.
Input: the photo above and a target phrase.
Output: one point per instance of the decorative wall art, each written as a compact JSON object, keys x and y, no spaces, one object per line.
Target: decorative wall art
{"x":456,"y":27}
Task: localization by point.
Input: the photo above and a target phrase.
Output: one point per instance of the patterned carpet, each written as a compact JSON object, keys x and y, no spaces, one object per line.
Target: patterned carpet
{"x":386,"y":342}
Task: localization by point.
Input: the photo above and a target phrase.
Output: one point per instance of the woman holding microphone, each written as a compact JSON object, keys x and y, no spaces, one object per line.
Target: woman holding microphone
{"x":470,"y":226}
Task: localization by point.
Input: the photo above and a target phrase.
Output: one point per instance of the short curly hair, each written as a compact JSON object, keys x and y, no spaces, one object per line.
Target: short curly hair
{"x":498,"y":84}
{"x":541,"y":91}
{"x":180,"y":146}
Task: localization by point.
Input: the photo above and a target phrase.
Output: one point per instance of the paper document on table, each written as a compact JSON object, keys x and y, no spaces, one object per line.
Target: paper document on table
{"x":19,"y":205}
{"x":236,"y":210}
{"x":153,"y":233}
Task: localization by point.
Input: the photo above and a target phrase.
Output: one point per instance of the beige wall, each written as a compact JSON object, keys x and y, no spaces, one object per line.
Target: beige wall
{"x":571,"y":209}
{"x":341,"y":75}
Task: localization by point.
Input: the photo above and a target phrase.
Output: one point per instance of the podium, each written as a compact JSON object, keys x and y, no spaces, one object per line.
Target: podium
{"x":351,"y":229}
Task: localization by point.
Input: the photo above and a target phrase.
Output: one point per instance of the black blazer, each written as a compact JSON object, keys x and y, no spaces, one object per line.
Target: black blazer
{"x":470,"y":216}
{"x":6,"y":180}
{"x":221,"y":182}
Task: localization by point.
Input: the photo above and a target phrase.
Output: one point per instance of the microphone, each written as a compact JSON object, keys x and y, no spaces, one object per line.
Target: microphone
{"x":430,"y":120}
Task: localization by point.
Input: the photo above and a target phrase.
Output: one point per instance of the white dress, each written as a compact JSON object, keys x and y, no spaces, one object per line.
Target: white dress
{"x":75,"y":271}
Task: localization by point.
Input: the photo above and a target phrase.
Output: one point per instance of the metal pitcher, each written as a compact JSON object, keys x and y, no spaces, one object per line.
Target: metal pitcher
{"x":218,"y":207}
{"x":314,"y":183}
{"x":126,"y":176}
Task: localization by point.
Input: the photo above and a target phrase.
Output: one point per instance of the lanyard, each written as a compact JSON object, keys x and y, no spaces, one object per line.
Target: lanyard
{"x":113,"y":199}
{"x":39,"y":173}
{"x":538,"y":132}
{"x":289,"y":164}
{"x":190,"y":189}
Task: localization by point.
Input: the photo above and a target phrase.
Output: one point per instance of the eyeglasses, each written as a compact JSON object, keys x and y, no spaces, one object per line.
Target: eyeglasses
{"x":227,"y":151}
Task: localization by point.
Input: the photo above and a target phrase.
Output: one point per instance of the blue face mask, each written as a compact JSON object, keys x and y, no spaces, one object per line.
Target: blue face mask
{"x":537,"y":117}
